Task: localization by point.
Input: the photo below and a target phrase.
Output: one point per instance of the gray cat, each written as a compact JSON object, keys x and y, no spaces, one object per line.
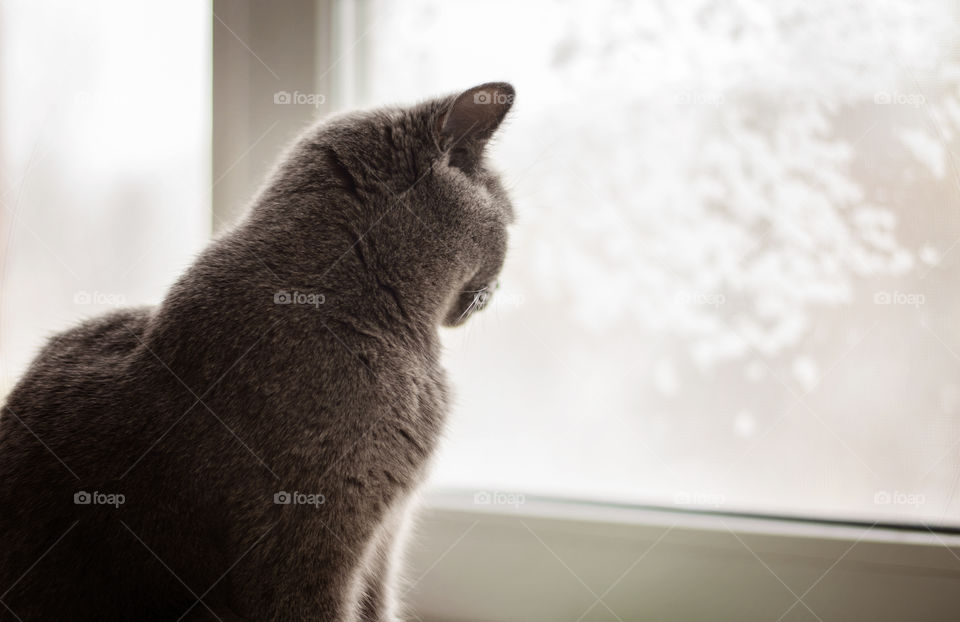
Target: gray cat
{"x":250,"y":448}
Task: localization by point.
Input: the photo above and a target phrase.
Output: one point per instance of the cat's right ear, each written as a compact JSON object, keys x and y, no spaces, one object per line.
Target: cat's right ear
{"x":471,"y":120}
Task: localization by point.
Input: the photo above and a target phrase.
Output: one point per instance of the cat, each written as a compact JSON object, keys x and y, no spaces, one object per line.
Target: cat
{"x":251,"y":448}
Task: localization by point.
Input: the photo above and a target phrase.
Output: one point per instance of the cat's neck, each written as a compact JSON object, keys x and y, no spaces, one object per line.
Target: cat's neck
{"x":353,"y":272}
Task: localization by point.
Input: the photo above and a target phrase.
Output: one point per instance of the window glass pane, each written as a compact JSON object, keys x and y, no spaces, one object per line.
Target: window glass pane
{"x":733,"y":283}
{"x":104,"y":159}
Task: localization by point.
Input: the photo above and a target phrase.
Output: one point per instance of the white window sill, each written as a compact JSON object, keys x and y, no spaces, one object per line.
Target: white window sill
{"x":554,"y":560}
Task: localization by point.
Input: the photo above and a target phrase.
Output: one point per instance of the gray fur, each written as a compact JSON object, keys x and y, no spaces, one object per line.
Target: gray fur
{"x":384,"y":224}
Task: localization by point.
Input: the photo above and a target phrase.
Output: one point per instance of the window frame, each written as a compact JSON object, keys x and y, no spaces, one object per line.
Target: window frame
{"x":258,"y":50}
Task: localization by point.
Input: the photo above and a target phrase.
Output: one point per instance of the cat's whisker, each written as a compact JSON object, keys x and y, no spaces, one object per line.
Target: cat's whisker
{"x":479,"y":301}
{"x":470,"y":307}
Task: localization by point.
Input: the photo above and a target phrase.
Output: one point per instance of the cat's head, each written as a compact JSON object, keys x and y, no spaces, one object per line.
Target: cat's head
{"x":471,"y":120}
{"x":430,"y":216}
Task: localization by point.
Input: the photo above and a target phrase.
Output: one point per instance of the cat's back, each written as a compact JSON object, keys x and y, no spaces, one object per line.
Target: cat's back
{"x":74,"y":378}
{"x":54,"y":430}
{"x":94,"y":351}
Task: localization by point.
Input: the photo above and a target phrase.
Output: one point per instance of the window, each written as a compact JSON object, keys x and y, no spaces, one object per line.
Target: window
{"x":733,"y":281}
{"x":104,"y":145}
{"x":720,"y":379}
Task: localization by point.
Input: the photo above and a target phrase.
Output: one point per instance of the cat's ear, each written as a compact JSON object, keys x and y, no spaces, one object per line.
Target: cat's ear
{"x":471,"y":120}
